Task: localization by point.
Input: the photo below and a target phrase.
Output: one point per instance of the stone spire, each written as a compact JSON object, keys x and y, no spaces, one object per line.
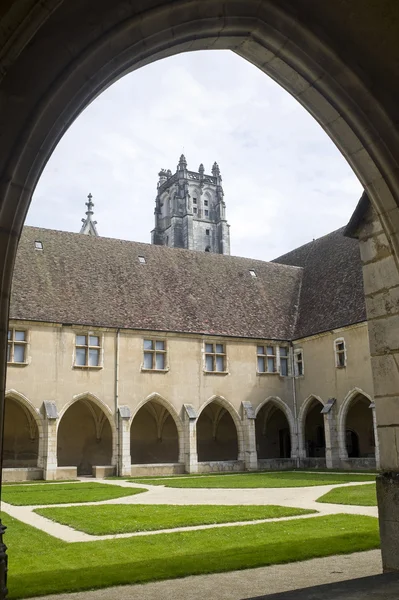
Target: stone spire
{"x":89,"y":226}
{"x":182,"y":163}
{"x":216,"y":170}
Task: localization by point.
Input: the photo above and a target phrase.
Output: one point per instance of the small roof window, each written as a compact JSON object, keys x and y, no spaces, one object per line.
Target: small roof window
{"x":252,"y":273}
{"x":142,"y":260}
{"x":38,"y":245}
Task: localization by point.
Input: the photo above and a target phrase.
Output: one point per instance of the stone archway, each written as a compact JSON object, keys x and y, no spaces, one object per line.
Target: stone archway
{"x":273,"y":428}
{"x":84,"y":436}
{"x":155,"y":433}
{"x":311,"y":430}
{"x":56,"y":58}
{"x":23,"y":433}
{"x":356,"y":428}
{"x":219,"y":435}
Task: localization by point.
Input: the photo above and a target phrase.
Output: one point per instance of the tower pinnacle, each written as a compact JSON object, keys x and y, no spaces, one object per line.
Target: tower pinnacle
{"x":89,"y":226}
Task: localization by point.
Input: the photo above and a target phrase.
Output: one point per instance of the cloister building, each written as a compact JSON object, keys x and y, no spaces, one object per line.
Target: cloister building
{"x":130,"y":358}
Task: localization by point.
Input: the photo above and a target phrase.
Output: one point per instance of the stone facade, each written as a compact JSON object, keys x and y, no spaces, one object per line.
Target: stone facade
{"x":190,"y":211}
{"x":64,"y":417}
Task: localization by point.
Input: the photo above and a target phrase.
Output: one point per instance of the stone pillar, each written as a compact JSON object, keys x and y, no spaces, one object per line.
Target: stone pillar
{"x":124,"y":458}
{"x":190,"y":438}
{"x":329,"y":413}
{"x":375,"y":430}
{"x":49,"y":459}
{"x":248,"y":430}
{"x":381,"y":284}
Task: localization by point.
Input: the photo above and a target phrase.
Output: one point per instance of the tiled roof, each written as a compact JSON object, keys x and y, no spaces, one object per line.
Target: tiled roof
{"x":79,"y":279}
{"x":332,"y":293}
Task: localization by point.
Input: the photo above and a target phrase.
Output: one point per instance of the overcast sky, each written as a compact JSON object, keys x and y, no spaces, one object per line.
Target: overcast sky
{"x":285,"y":182}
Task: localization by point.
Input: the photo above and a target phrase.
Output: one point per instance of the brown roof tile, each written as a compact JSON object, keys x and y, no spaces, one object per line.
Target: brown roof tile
{"x":100,"y":282}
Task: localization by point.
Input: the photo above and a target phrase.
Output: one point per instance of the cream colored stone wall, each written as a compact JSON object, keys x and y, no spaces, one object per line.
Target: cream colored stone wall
{"x":50,"y":375}
{"x":322,"y":378}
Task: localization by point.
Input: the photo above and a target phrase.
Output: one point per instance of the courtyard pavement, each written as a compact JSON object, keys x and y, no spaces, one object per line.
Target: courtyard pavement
{"x":304,"y":497}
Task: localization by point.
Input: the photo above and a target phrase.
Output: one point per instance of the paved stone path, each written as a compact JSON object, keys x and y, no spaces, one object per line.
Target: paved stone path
{"x":183,"y":496}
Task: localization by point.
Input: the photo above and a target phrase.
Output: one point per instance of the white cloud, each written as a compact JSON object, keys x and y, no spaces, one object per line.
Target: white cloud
{"x":285,"y":182}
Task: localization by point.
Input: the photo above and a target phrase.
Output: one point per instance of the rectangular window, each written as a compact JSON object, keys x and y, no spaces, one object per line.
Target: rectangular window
{"x":206,"y":202}
{"x":17,"y":345}
{"x":284,"y":353}
{"x":207,"y":231}
{"x":87,"y":350}
{"x":195,"y":210}
{"x":266,"y":356}
{"x":206,"y":213}
{"x":215,"y":358}
{"x":155,"y":355}
{"x":340,"y":353}
{"x":298,"y":363}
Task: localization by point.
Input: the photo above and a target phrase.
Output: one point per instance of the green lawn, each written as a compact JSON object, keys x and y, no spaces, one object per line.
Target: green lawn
{"x":64,"y":493}
{"x":40,"y":564}
{"x":256,"y":480}
{"x":127,"y":518}
{"x":360,"y":495}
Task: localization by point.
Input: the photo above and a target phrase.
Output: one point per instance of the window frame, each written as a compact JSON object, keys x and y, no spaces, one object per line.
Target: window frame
{"x":87,"y":347}
{"x":285,"y":358}
{"x":265,"y":355}
{"x":297,"y":352}
{"x":154,"y":351}
{"x":12,"y":342}
{"x":340,"y":353}
{"x":215,"y":354}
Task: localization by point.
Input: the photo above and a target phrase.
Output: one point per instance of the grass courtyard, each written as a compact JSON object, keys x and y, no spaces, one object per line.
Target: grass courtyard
{"x":256,"y":480}
{"x":359,"y":495}
{"x":41,"y":564}
{"x":22,"y":495}
{"x":125,"y":518}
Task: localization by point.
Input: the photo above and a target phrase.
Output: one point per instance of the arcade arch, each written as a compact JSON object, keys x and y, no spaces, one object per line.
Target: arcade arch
{"x":86,"y":435}
{"x":274,"y":428}
{"x":219,"y":432}
{"x":156,"y":433}
{"x":23,"y":432}
{"x":311,"y":428}
{"x":356,"y":426}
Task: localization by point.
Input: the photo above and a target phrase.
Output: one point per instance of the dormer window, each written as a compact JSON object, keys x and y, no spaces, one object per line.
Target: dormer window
{"x":252,"y":273}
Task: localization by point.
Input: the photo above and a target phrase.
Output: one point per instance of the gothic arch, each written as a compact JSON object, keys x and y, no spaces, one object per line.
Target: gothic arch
{"x":33,"y":417}
{"x":284,"y":449}
{"x":303,"y":411}
{"x":283,"y":406}
{"x":342,"y":417}
{"x":155,"y":397}
{"x":101,"y":419}
{"x":221,"y":401}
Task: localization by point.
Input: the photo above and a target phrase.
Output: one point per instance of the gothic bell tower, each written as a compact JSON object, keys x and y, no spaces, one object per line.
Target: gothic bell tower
{"x":190,"y":211}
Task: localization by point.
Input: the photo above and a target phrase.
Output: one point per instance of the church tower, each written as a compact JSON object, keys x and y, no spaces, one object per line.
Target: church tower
{"x":190,"y":211}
